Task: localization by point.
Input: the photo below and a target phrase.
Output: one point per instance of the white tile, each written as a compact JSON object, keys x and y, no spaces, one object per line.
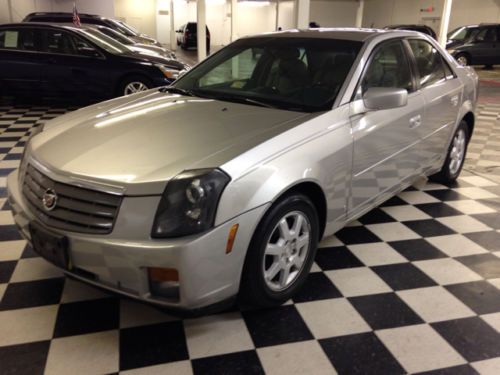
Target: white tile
{"x":475,"y":193}
{"x":455,"y":245}
{"x":96,"y":353}
{"x":358,"y":281}
{"x":477,"y":181}
{"x":3,"y":288}
{"x":315,"y":268}
{"x":6,"y":218}
{"x":406,"y":213}
{"x":470,"y":207}
{"x":495,"y":282}
{"x":426,"y":185}
{"x":463,"y":224}
{"x":493,"y":320}
{"x":27,"y":325}
{"x":297,"y":358}
{"x":417,"y":197}
{"x":177,"y":368}
{"x":217,"y":334}
{"x":447,"y":271}
{"x":435,"y":304}
{"x":393,"y":232}
{"x":330,"y":241}
{"x":376,"y":254}
{"x":75,"y":291}
{"x":133,"y":314}
{"x":34,"y":269}
{"x":419,"y":348}
{"x":9,"y":163}
{"x":11,"y":250}
{"x":487,"y":367}
{"x":332,"y":317}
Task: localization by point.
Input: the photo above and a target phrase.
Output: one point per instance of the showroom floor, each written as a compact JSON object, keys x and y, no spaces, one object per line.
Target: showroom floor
{"x":411,"y":287}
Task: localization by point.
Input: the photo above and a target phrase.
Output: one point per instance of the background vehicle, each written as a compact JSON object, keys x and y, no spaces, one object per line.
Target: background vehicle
{"x":187,"y":36}
{"x":55,"y":60}
{"x":475,"y":44}
{"x":420,"y":28}
{"x":120,"y":26}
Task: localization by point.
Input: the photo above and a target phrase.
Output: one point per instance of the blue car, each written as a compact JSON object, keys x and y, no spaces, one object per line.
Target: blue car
{"x":55,"y":60}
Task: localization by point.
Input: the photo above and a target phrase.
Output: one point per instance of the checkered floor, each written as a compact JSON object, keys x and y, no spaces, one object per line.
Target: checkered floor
{"x":413,"y":286}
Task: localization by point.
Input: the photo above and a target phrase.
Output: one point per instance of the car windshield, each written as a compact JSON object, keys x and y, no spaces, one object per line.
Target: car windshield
{"x":105,"y":42}
{"x":116,"y":35}
{"x":298,"y":74}
{"x":123,"y":28}
{"x":461,"y":33}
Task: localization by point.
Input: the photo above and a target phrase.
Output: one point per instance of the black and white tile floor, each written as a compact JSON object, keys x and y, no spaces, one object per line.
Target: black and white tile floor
{"x":413,"y":286}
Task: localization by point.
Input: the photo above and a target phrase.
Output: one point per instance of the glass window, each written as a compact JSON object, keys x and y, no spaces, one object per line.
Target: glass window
{"x":389,"y":67}
{"x":429,"y":62}
{"x":21,"y":39}
{"x":486,"y":35}
{"x":58,"y":41}
{"x":300,"y":74}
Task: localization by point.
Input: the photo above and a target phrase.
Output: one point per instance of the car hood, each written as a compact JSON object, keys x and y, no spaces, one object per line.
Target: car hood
{"x":139,"y":142}
{"x":156,"y":59}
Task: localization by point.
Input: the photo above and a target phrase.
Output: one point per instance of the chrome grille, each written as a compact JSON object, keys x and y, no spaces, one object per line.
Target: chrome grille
{"x":77,"y":209}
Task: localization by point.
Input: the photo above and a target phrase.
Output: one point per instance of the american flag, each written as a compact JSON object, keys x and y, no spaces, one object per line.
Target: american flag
{"x":76,"y":17}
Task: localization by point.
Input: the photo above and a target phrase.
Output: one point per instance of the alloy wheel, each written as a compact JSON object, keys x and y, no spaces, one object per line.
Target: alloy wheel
{"x":134,"y":87}
{"x":457,"y":152}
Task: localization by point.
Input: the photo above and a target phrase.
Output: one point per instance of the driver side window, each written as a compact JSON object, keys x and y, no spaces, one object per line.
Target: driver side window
{"x":389,"y":67}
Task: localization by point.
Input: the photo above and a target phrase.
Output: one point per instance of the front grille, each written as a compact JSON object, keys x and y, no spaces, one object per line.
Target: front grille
{"x":77,"y":209}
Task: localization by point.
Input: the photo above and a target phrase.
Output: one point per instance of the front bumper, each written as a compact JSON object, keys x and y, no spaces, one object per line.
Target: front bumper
{"x":119,"y":262}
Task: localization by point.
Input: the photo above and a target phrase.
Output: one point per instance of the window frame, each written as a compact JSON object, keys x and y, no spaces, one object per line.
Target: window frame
{"x":73,"y":36}
{"x":20,"y":30}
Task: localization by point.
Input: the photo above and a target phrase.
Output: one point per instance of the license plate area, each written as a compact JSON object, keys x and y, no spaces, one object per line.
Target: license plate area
{"x":51,"y":246}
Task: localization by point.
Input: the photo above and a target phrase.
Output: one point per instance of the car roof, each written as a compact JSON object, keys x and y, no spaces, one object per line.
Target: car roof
{"x":62,"y":14}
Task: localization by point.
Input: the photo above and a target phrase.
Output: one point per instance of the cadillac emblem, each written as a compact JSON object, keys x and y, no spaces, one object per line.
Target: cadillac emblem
{"x":49,"y":199}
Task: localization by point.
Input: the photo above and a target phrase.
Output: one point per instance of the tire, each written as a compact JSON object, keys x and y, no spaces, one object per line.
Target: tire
{"x":141,"y":83}
{"x":463,"y":59}
{"x":455,"y":156}
{"x":295,"y":253}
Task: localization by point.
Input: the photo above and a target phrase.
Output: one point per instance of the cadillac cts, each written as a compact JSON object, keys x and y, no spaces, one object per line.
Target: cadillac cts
{"x":222,"y":184}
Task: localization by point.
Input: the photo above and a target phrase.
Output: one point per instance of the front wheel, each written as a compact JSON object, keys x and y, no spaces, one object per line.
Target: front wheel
{"x":455,"y":157}
{"x":134,"y":84}
{"x":281,"y":252}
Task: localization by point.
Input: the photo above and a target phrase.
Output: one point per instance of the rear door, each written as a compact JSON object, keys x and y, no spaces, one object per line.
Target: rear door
{"x":20,"y":61}
{"x":442,"y":92}
{"x":485,"y":46}
{"x":385,"y":141}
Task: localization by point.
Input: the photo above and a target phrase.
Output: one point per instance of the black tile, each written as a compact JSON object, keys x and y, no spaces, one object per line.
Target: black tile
{"x":394,"y":201}
{"x":489,"y":240}
{"x":360,"y":354}
{"x":3,"y":192}
{"x":28,"y":252}
{"x":491,"y":202}
{"x":376,"y":216}
{"x":428,"y":228}
{"x":9,"y":232}
{"x":480,"y":296}
{"x":6,"y":270}
{"x":446,"y":195}
{"x":22,"y":359}
{"x":356,"y":235}
{"x":474,"y":339}
{"x":337,"y":257}
{"x":438,"y":209}
{"x":383,"y":311}
{"x":276,"y":326}
{"x":4,"y":150}
{"x":152,"y":345}
{"x":403,"y":276}
{"x":246,"y":362}
{"x":418,"y":249}
{"x":455,"y":370}
{"x":492,"y":220}
{"x":32,"y":294}
{"x":317,"y":287}
{"x":82,"y":317}
{"x":487,"y":265}
{"x":13,"y":157}
{"x":6,"y":207}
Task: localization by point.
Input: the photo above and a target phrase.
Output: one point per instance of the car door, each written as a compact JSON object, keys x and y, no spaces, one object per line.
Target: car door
{"x":385,"y":142}
{"x":442,"y":92}
{"x":485,"y":46}
{"x":20,"y":63}
{"x":72,"y":65}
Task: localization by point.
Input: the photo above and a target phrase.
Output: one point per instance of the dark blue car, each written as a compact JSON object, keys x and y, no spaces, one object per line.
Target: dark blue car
{"x":55,"y":60}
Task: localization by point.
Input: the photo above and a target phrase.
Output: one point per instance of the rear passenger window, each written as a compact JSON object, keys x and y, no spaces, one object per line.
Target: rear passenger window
{"x":56,"y":41}
{"x":23,"y":40}
{"x":429,"y":61}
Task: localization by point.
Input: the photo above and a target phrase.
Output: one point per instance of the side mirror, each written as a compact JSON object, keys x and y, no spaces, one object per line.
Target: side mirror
{"x":378,"y":98}
{"x":89,"y":52}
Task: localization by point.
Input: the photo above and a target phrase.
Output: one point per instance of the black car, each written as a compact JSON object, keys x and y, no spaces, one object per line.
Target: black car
{"x":475,"y":44}
{"x":55,"y":60}
{"x":120,"y":26}
{"x":420,"y":28}
{"x":187,"y":36}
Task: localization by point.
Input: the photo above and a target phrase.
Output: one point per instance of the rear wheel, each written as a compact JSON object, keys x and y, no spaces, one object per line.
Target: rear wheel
{"x":463,"y":59}
{"x":456,"y":156}
{"x":281,"y":252}
{"x":134,"y":84}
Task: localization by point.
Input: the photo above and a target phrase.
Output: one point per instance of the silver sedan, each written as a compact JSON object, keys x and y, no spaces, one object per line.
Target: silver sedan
{"x":221,"y":185}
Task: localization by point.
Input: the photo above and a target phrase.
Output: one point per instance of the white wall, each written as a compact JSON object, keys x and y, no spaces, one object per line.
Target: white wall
{"x":334,"y":13}
{"x":466,"y":12}
{"x":140,"y":14}
{"x":286,"y":15}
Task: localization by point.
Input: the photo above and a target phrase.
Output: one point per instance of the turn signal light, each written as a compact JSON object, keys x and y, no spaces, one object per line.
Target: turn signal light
{"x":163,"y":274}
{"x":231,"y":238}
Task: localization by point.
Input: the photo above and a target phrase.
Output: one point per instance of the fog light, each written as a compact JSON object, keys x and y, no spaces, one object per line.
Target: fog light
{"x":231,"y":238}
{"x":164,"y":282}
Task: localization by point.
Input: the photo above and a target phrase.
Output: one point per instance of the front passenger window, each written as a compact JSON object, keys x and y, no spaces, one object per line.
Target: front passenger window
{"x":389,"y":67}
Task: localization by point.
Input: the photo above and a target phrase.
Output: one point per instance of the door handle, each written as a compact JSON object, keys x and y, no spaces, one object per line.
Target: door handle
{"x":454,"y":100}
{"x":415,"y":122}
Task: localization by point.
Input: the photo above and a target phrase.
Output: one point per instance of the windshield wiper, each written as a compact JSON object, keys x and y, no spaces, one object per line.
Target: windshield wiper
{"x":176,"y":90}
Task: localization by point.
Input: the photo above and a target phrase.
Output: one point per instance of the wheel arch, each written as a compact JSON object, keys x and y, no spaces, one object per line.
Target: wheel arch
{"x":470,"y":119}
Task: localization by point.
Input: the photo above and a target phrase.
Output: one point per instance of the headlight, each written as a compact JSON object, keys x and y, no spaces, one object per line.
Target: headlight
{"x":167,"y":72}
{"x":189,"y":203}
